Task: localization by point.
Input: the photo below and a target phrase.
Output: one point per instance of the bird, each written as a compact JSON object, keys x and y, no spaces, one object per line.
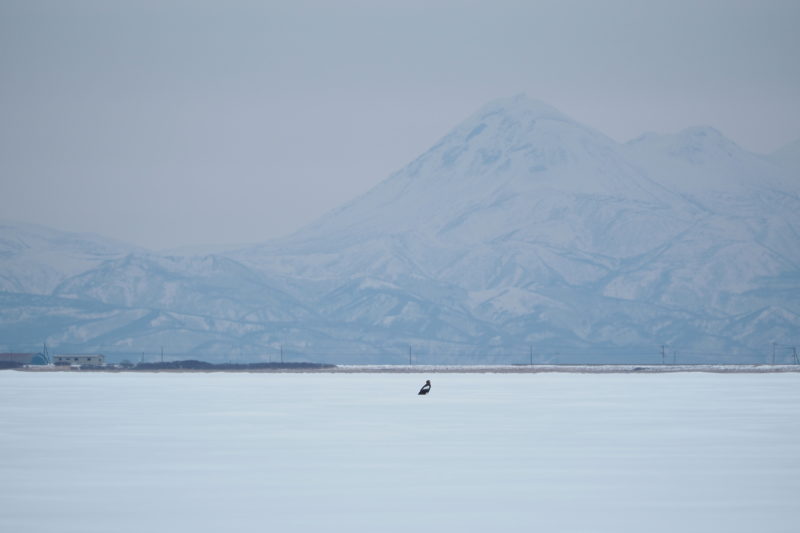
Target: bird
{"x":425,"y":388}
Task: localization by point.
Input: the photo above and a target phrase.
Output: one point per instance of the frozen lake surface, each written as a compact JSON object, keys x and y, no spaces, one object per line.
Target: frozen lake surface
{"x":688,"y":452}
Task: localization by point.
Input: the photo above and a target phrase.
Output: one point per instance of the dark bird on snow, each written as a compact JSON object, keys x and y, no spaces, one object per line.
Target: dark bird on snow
{"x":425,"y":388}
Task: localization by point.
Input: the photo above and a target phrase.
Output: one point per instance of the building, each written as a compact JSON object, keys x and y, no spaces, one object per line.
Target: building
{"x":8,"y":360}
{"x":80,"y":359}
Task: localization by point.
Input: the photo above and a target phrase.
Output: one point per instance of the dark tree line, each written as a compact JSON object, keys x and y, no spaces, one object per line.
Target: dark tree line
{"x":192,"y":364}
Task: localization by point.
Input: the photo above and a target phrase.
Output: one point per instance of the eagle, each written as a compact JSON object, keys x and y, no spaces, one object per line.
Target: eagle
{"x":425,"y":388}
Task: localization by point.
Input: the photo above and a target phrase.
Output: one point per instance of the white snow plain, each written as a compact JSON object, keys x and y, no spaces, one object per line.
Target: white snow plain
{"x":194,"y":452}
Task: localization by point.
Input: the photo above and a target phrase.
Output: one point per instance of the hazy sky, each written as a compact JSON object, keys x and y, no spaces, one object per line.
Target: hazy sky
{"x":168,"y":123}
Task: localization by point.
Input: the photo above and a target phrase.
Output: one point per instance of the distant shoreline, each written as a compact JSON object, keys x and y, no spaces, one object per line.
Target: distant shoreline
{"x":448,"y":369}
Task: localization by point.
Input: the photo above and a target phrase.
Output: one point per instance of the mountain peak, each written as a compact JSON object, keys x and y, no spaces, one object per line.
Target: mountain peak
{"x":705,"y":136}
{"x":522,"y":106}
{"x":697,"y":145}
{"x":509,"y":125}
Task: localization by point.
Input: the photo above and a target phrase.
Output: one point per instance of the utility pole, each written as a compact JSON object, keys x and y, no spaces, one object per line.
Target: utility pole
{"x":774,"y":344}
{"x":663,"y":354}
{"x":794,"y":355}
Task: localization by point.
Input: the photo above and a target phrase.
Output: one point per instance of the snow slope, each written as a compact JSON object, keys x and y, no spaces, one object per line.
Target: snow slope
{"x":35,"y":259}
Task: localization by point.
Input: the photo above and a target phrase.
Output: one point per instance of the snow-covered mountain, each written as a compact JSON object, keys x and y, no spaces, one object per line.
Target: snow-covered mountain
{"x":521,"y":229}
{"x":35,"y":259}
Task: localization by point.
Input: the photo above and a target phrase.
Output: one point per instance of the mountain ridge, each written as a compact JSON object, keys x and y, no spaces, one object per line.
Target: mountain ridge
{"x":519,"y":227}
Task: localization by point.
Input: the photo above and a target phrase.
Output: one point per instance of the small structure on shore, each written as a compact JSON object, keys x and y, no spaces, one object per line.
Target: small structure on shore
{"x":79,"y":359}
{"x":11,"y":360}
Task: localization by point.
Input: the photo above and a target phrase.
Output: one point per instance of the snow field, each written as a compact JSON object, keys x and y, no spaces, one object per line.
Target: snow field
{"x":362,"y":452}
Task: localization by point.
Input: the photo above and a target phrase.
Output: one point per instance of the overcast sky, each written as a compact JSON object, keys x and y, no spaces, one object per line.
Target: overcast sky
{"x":170,"y":123}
